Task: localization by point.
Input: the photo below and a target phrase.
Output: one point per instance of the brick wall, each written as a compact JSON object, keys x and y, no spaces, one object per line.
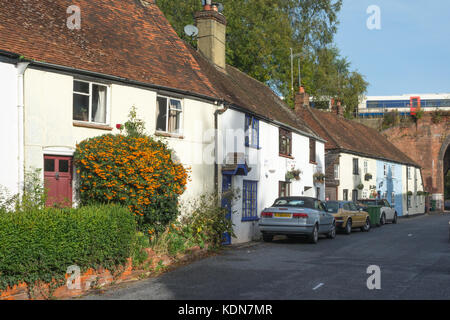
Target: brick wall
{"x":425,"y":143}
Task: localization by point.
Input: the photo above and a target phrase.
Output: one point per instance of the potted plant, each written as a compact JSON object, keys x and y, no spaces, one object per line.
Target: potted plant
{"x":368,"y":177}
{"x":409,"y":193}
{"x":289,"y":176}
{"x":319,"y":177}
{"x":360,"y":186}
{"x":293,"y":174}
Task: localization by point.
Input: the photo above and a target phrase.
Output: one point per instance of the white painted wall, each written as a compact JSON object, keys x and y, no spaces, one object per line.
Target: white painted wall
{"x":49,"y":124}
{"x":349,"y":181}
{"x":413,"y":184}
{"x":267,"y":167}
{"x":9,"y":175}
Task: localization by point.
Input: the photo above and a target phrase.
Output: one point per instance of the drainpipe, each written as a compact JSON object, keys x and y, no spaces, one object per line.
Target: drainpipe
{"x":21,"y":67}
{"x":216,"y":142}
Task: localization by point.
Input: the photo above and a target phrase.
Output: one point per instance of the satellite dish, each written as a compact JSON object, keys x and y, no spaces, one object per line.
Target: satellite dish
{"x":191,"y":31}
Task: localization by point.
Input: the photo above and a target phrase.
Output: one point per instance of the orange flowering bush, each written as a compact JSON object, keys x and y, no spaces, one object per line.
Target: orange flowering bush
{"x":135,"y":171}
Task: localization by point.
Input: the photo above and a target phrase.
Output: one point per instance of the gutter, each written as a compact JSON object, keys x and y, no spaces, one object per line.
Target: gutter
{"x":21,"y":68}
{"x":216,"y":142}
{"x":106,"y":77}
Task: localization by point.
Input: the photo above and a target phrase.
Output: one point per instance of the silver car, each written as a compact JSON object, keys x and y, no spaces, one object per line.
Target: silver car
{"x":297,"y":216}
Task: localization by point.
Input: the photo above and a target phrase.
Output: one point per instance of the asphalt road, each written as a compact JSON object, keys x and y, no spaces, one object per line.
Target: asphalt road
{"x":413,"y":256}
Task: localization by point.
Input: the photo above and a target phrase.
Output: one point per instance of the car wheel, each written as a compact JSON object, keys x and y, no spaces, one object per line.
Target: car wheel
{"x":314,"y":237}
{"x":383,"y":219}
{"x":267,"y":237}
{"x":332,"y":233}
{"x":395,"y":218}
{"x":348,"y":227}
{"x":366,"y":227}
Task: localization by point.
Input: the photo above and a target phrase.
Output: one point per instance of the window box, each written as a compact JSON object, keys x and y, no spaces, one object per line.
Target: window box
{"x":169,"y":112}
{"x":368,"y":177}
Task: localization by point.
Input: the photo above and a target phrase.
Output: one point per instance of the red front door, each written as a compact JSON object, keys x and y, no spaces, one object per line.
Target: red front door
{"x":58,"y":180}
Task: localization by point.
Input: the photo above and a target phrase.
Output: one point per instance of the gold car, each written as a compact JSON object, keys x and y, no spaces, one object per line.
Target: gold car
{"x":348,"y":216}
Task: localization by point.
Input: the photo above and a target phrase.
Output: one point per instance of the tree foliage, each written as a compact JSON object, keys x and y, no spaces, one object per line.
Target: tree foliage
{"x":260,"y":34}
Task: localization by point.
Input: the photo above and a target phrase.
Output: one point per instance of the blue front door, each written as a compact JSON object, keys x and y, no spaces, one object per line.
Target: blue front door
{"x":226,"y":203}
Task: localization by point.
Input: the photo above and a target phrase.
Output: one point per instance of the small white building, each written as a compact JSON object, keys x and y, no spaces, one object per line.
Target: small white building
{"x":260,"y":139}
{"x":362,"y":164}
{"x":11,"y":129}
{"x":87,"y":84}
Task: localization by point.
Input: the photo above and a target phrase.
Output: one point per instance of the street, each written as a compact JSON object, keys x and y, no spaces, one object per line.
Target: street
{"x":413,"y":256}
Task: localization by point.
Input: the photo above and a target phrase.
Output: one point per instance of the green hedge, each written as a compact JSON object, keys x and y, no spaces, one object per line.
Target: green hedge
{"x":39,"y":245}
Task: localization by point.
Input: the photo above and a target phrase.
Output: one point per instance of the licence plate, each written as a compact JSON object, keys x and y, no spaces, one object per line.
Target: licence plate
{"x":282,"y":215}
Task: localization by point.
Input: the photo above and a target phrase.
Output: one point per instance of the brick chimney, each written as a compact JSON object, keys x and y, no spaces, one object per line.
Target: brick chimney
{"x":337,"y":108}
{"x":301,"y":100}
{"x":211,"y":26}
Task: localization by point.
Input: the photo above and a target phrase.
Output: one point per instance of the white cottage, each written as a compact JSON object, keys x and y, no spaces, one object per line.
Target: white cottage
{"x":262,"y":144}
{"x":361,"y":163}
{"x":62,"y":85}
{"x":11,"y":129}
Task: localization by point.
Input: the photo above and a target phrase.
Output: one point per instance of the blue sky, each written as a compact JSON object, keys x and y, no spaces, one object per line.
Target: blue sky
{"x":411,"y":51}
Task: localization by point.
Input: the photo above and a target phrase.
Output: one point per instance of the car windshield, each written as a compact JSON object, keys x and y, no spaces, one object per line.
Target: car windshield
{"x":294,"y":202}
{"x":368,"y":202}
{"x":332,"y":206}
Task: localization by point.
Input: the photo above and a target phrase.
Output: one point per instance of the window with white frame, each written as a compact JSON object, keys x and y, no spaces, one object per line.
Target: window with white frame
{"x":365,"y":194}
{"x":385,"y":170}
{"x":169,"y":115}
{"x":393,"y":171}
{"x":393,"y":198}
{"x":366,"y":167}
{"x":336,"y":171}
{"x":408,"y":173}
{"x":90,"y":102}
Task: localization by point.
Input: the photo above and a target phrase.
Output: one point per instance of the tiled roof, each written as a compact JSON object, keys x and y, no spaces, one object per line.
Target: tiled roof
{"x":130,"y":39}
{"x":245,"y":92}
{"x":351,"y":136}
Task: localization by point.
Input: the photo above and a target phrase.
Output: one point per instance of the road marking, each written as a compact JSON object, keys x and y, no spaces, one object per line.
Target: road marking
{"x":318,"y":286}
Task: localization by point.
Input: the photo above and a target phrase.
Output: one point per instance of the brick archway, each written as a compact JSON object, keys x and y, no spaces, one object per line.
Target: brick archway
{"x":443,"y":163}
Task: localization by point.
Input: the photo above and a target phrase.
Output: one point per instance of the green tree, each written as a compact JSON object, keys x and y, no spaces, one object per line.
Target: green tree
{"x":260,"y":34}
